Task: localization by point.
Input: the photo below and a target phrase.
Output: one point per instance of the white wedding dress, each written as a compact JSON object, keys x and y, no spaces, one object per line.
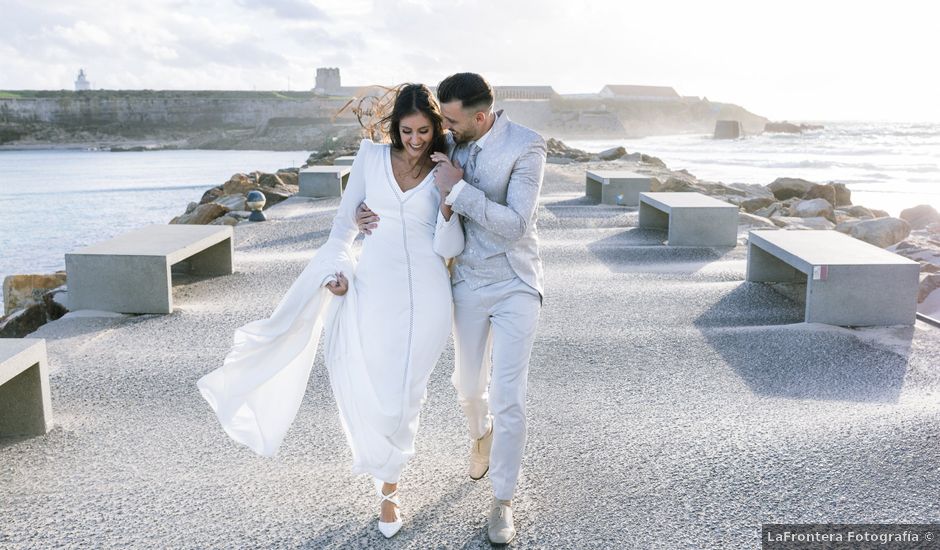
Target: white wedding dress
{"x":381,"y":341}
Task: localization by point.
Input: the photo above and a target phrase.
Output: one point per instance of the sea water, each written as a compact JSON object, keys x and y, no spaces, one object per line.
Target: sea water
{"x":887,"y":166}
{"x":55,"y":201}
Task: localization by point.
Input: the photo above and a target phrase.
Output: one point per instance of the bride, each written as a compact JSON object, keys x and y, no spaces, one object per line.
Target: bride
{"x":386,"y":317}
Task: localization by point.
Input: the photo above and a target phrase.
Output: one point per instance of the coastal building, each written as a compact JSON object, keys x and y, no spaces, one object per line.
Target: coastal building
{"x":328,"y":81}
{"x":81,"y":83}
{"x":524,"y":92}
{"x":639,"y":93}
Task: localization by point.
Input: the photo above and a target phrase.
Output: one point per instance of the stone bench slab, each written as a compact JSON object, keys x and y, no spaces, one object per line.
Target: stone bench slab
{"x":323,"y":181}
{"x":25,"y":403}
{"x":848,"y":282}
{"x":691,"y":219}
{"x":131,"y":273}
{"x":616,"y":186}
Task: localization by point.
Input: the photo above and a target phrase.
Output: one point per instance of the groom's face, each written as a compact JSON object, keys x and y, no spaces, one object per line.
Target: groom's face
{"x":464,"y":124}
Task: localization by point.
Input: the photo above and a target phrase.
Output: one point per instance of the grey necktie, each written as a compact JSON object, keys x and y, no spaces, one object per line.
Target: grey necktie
{"x":471,"y":165}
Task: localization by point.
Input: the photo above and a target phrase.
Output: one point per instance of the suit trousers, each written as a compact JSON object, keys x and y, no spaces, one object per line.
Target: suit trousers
{"x":494,"y":329}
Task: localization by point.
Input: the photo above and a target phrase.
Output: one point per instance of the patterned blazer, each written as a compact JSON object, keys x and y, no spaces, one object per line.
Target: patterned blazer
{"x":499,"y":204}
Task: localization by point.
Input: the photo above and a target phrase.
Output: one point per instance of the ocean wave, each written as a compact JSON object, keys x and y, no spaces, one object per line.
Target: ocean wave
{"x":59,"y":192}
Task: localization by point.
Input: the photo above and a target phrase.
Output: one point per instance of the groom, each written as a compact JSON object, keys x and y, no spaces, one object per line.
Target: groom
{"x":492,"y":179}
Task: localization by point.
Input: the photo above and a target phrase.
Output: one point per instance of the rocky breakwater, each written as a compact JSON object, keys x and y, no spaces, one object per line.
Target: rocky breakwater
{"x":225,"y":204}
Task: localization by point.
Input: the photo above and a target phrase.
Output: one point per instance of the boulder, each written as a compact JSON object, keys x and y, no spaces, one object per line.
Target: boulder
{"x":672,"y":184}
{"x":782,"y":128}
{"x":273,"y":196}
{"x":190,"y":207}
{"x":752,"y":190}
{"x":556,"y":148}
{"x":859,"y":211}
{"x":230,"y":202}
{"x":846,"y":226}
{"x":817,"y":191}
{"x":812,"y":208}
{"x":774,"y":208}
{"x":881,"y":232}
{"x":20,"y":291}
{"x":289,"y":177}
{"x":880,"y":213}
{"x":754,"y":204}
{"x":268,"y":180}
{"x":928,"y":284}
{"x":920,"y":216}
{"x":211,"y":195}
{"x":655,"y":161}
{"x":238,"y":183}
{"x":785,"y":188}
{"x":201,"y":215}
{"x":788,"y":222}
{"x":843,"y":194}
{"x":934,"y":229}
{"x":224,"y":220}
{"x":751,"y":221}
{"x":25,"y":321}
{"x":612,"y":154}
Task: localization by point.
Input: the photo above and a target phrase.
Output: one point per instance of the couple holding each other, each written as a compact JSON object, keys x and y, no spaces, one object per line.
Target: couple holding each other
{"x":471,"y":195}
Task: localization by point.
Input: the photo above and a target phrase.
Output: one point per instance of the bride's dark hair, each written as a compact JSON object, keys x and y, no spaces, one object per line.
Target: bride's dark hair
{"x":411,"y":99}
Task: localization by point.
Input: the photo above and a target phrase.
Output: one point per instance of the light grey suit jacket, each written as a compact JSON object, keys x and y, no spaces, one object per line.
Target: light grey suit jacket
{"x":500,"y":204}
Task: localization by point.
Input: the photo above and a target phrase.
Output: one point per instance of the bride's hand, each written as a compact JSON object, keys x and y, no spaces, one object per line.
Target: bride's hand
{"x":339,"y":286}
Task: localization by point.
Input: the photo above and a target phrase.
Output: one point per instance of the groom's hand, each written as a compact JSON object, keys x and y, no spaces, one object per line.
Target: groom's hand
{"x":446,"y":173}
{"x":366,"y":219}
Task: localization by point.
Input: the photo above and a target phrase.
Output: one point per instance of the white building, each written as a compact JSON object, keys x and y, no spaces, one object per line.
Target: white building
{"x":639,"y":93}
{"x":81,"y":83}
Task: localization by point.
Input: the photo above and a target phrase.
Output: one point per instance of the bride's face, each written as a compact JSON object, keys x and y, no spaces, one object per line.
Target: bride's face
{"x":417,"y":133}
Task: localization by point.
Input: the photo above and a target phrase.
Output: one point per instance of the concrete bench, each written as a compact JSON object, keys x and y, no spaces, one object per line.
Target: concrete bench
{"x":692,"y":219}
{"x":616,"y":187}
{"x":131,"y":273}
{"x":25,"y":405}
{"x":323,"y":181}
{"x":344,"y":161}
{"x":848,"y":282}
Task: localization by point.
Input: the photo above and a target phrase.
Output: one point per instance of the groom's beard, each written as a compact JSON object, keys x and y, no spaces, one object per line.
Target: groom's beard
{"x":459,"y":139}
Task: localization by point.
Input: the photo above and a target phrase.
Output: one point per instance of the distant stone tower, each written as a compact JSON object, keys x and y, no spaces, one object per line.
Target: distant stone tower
{"x":81,"y":83}
{"x":327,"y":80}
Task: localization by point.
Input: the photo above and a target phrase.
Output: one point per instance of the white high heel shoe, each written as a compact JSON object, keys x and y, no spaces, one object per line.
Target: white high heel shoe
{"x":389,"y":528}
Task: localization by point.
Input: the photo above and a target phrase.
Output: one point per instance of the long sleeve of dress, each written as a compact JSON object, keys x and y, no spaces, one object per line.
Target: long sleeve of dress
{"x":448,"y":236}
{"x":257,"y":391}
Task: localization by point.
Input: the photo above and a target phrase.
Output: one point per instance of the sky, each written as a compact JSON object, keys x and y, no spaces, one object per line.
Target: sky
{"x":797,"y":60}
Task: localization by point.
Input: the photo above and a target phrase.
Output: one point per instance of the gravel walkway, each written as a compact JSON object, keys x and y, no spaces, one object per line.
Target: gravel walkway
{"x":671,"y":405}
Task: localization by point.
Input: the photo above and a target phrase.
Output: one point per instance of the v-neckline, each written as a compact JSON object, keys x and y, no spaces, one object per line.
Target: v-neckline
{"x":394,"y":180}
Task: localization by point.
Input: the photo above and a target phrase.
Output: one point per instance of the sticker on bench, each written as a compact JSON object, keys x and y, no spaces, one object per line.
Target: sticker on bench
{"x":820,"y":272}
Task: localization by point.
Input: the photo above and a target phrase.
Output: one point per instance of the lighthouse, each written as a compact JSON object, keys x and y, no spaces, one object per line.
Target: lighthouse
{"x":81,"y":83}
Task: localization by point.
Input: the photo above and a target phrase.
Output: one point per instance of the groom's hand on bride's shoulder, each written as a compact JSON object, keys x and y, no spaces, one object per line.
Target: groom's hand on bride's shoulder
{"x":366,"y":219}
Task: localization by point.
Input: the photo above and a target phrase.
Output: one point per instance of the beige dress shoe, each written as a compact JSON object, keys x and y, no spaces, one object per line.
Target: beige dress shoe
{"x":501,"y":529}
{"x":480,"y":455}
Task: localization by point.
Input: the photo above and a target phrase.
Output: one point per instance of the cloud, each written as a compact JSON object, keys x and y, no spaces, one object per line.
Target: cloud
{"x":287,"y":9}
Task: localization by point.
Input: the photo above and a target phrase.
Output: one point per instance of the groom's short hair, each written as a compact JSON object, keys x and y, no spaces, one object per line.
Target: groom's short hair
{"x":473,"y":91}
